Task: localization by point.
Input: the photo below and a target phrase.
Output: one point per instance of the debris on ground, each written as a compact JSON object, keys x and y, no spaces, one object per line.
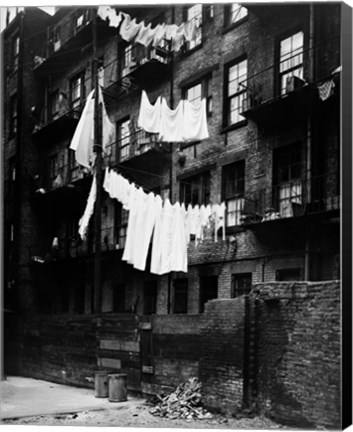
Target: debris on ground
{"x":184,"y":402}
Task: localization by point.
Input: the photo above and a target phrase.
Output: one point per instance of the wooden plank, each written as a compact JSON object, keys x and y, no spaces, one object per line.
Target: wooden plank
{"x":109,"y":363}
{"x":119,"y":345}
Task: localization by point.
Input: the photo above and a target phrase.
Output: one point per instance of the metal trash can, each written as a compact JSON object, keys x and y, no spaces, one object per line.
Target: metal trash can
{"x":117,"y":387}
{"x":101,"y":384}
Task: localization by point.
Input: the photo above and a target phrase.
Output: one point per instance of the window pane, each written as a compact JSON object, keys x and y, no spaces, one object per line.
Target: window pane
{"x":194,"y":94}
{"x":241,"y":284}
{"x":237,"y":12}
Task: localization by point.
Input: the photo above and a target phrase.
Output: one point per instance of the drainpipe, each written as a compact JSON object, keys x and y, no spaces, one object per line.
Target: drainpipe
{"x":171,"y":104}
{"x":309,"y":135}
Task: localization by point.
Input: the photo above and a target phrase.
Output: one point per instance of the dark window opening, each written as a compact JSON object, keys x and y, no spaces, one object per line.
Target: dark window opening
{"x":195,"y":190}
{"x":291,"y":274}
{"x":150,"y":297}
{"x":121,"y":220}
{"x":77,"y":91}
{"x":241,"y":284}
{"x":13,"y":115}
{"x":233,"y":176}
{"x":180,"y":296}
{"x":208,"y":290}
{"x":288,"y":185}
{"x":15,"y":49}
{"x":79,"y":299}
{"x":119,"y":298}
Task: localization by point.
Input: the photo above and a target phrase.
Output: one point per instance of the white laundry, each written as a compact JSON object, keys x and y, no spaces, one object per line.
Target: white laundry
{"x":114,"y":19}
{"x":104,"y":12}
{"x":149,"y":115}
{"x":220,"y":220}
{"x":178,"y":39}
{"x":146,"y":35}
{"x":82,"y":140}
{"x":167,"y":238}
{"x":159,"y":35}
{"x":145,"y":222}
{"x":157,"y":242}
{"x":129,"y":28}
{"x":135,"y":200}
{"x":190,"y":30}
{"x":170,"y":31}
{"x":84,"y":221}
{"x":172,"y":122}
{"x":195,"y":124}
{"x":108,"y":128}
{"x":179,"y":246}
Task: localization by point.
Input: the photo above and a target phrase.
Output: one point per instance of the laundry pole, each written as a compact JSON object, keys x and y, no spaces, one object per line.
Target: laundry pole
{"x":97,"y":149}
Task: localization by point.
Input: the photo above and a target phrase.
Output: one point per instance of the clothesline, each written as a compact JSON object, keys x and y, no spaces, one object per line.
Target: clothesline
{"x":170,"y":226}
{"x":131,"y":31}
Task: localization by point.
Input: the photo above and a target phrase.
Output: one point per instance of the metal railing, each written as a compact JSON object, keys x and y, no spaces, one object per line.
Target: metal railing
{"x":45,"y":118}
{"x":292,"y":199}
{"x":135,"y":144}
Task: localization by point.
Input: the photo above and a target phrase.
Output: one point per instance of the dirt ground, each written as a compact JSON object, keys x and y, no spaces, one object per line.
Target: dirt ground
{"x":139,"y":416}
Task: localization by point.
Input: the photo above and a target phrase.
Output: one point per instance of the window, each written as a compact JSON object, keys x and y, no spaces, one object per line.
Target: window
{"x":208,"y":290}
{"x":77,"y":91}
{"x":180,"y":296}
{"x":123,"y":134}
{"x":291,"y":61}
{"x":81,"y":19}
{"x":56,"y":167}
{"x":200,"y":90}
{"x":241,"y":284}
{"x":56,"y":38}
{"x":236,"y":81}
{"x":150,"y":297}
{"x":287,"y":178}
{"x":233,"y":191}
{"x":233,"y":13}
{"x":13,"y":115}
{"x":74,"y":166}
{"x":15,"y":50}
{"x":293,"y":274}
{"x":54,"y":105}
{"x":101,"y":72}
{"x":119,"y":298}
{"x":126,"y":60}
{"x":195,"y":190}
{"x":121,"y":220}
{"x":194,"y":13}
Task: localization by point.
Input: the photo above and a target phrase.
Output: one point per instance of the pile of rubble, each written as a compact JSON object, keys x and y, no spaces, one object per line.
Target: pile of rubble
{"x":184,"y":402}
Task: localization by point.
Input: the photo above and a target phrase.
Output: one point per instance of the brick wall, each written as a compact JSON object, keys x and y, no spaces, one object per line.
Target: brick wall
{"x":299,"y":352}
{"x":222,"y":358}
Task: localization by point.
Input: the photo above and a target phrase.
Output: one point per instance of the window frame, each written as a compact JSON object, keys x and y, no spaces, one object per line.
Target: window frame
{"x":203,"y":197}
{"x":120,"y":138}
{"x":194,"y":45}
{"x":237,"y":167}
{"x":206,"y":91}
{"x":183,"y":285}
{"x":78,"y":101}
{"x":242,"y":94}
{"x":13,"y":121}
{"x":235,"y":291}
{"x":15,"y":52}
{"x":228,"y":13}
{"x":54,"y":95}
{"x":281,"y":91}
{"x":121,"y":222}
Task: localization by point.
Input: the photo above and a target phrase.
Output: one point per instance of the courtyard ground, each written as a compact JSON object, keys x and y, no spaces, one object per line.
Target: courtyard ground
{"x":26,"y":401}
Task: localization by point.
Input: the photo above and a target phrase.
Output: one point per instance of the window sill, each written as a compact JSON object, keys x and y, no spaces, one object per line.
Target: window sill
{"x":232,"y":26}
{"x":186,"y":53}
{"x":234,"y":126}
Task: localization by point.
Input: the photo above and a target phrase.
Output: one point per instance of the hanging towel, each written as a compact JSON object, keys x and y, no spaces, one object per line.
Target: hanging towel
{"x":108,"y":128}
{"x":145,"y":222}
{"x":82,"y":141}
{"x":150,"y":115}
{"x":104,"y":12}
{"x":146,"y":35}
{"x":84,"y":221}
{"x":172,"y":122}
{"x":178,"y":39}
{"x":179,"y":245}
{"x":114,"y":19}
{"x":158,"y":240}
{"x":170,"y":31}
{"x":134,"y":205}
{"x":220,"y":220}
{"x":159,"y":35}
{"x":190,"y":30}
{"x":195,"y":123}
{"x":326,"y":89}
{"x":129,"y":28}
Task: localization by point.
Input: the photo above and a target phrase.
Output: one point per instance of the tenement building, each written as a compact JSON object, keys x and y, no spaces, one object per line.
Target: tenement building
{"x":267,"y":77}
